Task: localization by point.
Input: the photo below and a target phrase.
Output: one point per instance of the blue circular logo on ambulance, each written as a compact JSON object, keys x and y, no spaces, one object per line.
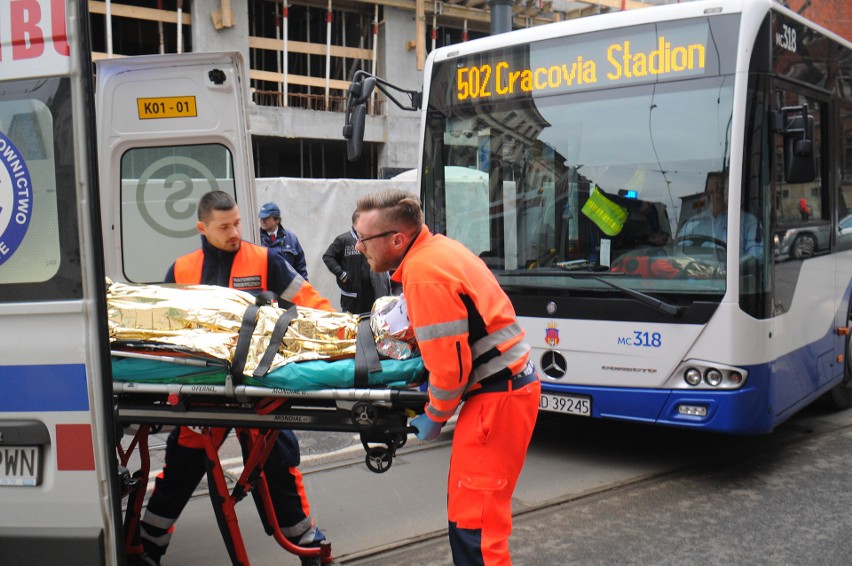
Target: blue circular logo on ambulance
{"x":15,"y":198}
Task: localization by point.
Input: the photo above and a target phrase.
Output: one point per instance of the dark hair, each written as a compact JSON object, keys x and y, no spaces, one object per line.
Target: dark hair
{"x":717,"y":176}
{"x":720,"y":180}
{"x":214,"y":200}
{"x":397,"y":209}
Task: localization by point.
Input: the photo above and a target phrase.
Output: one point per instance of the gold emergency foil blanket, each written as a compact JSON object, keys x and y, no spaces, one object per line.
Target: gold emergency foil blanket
{"x":207,"y":319}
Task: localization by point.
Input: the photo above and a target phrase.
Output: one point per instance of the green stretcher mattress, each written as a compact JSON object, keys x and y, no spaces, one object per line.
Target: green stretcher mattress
{"x":311,"y":375}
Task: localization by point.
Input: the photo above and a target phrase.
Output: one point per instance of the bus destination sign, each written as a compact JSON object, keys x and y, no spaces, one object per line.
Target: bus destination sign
{"x":578,"y":64}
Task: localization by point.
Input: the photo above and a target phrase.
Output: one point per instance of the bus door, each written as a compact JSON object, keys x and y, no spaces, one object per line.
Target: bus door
{"x":172,"y":127}
{"x":59,"y":501}
{"x":804,"y":269}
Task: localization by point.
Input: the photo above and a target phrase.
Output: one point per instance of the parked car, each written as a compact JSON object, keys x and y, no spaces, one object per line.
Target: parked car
{"x":802,"y":239}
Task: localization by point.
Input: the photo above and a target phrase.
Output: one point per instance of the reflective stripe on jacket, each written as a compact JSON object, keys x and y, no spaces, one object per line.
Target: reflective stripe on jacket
{"x":464,"y":322}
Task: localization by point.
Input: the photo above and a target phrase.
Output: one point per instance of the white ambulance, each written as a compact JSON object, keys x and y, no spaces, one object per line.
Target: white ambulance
{"x":168,"y":129}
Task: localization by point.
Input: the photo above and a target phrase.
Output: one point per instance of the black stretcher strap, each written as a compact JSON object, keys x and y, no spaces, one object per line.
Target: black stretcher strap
{"x":366,"y":356}
{"x":238,"y":364}
{"x":275,"y":339}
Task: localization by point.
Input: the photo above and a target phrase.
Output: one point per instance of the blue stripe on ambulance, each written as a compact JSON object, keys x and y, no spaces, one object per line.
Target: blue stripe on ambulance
{"x":57,"y":387}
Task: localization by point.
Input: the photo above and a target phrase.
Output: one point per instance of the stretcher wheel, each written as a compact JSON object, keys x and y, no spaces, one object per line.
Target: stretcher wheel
{"x":379,"y":460}
{"x":364,"y":415}
{"x":400,"y":440}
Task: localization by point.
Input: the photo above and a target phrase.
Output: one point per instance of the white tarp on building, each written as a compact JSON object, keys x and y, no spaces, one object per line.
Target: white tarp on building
{"x":317,"y":210}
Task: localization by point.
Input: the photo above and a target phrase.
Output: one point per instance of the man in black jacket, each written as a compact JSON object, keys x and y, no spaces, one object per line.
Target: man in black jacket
{"x":359,"y":285}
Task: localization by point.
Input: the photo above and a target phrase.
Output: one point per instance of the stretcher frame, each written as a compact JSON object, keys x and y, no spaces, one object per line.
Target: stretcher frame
{"x":379,"y":414}
{"x":257,"y":414}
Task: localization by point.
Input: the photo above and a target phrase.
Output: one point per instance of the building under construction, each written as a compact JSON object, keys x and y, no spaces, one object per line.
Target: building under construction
{"x":301,"y":55}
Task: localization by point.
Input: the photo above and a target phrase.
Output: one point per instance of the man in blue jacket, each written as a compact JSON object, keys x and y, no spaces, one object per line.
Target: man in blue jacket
{"x":273,"y":235}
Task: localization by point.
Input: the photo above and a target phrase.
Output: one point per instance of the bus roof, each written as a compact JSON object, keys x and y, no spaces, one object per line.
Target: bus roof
{"x":754,"y":8}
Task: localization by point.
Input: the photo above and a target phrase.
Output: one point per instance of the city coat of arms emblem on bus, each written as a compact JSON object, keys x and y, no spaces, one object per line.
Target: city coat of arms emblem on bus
{"x":551,"y":334}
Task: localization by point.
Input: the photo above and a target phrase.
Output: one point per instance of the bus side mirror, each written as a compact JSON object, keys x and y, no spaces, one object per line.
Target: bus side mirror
{"x":362,"y":87}
{"x":354,"y":132}
{"x":367,"y":86}
{"x":356,"y":115}
{"x":799,"y":155}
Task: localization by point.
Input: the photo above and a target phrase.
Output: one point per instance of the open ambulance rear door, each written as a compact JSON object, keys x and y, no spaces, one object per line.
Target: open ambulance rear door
{"x":170,"y":128}
{"x":59,"y":502}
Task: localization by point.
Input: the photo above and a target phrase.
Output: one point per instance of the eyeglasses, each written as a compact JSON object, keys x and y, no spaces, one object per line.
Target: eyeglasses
{"x":382,"y":235}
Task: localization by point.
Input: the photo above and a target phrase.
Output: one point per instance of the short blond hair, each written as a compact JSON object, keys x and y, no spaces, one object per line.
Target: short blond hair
{"x":397,"y":208}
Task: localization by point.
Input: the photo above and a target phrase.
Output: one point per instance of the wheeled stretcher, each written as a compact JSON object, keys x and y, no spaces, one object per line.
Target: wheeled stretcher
{"x":210,"y":397}
{"x":156,"y":384}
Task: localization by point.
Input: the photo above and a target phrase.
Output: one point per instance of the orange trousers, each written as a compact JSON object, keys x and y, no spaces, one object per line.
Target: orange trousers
{"x":490,"y":444}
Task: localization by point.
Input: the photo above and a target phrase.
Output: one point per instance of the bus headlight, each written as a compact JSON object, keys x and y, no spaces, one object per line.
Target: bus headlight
{"x":735,"y":378}
{"x":692,"y":376}
{"x":713,"y":377}
{"x":707,"y":375}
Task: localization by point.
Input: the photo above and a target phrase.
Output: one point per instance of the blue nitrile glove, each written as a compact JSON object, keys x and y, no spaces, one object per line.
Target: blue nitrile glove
{"x":427,"y":429}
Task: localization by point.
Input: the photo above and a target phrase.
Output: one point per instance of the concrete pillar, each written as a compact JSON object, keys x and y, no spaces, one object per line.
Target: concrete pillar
{"x":398,"y":65}
{"x":501,"y":16}
{"x":205,"y":36}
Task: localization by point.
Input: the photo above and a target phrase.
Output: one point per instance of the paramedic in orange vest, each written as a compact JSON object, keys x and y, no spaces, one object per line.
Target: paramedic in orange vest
{"x":475,"y":353}
{"x":226,"y":260}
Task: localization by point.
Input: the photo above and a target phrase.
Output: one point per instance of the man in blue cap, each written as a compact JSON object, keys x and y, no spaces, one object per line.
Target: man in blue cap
{"x":273,"y":235}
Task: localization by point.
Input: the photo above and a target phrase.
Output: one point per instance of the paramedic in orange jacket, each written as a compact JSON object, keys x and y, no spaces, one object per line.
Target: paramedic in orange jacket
{"x":475,"y":353}
{"x":226,"y":260}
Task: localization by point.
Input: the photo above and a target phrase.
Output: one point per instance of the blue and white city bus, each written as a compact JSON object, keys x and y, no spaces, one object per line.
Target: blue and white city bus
{"x":637,"y":174}
{"x":599,"y":141}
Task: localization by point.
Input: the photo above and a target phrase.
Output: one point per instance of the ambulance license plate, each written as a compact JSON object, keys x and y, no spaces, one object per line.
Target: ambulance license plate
{"x":567,"y":404}
{"x":20,"y":465}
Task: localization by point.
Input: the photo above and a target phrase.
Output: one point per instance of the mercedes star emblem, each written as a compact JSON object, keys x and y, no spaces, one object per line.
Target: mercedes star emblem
{"x":553,"y":364}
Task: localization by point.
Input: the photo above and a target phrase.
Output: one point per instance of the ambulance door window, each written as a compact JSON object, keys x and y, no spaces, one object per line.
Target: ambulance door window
{"x":39,"y":250}
{"x":160,"y":189}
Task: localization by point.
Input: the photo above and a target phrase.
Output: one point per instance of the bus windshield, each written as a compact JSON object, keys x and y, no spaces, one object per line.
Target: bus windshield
{"x":555,"y":184}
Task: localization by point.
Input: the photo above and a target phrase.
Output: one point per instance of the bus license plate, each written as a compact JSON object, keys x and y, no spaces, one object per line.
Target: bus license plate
{"x":166,"y":107}
{"x":20,"y":465}
{"x":568,"y":404}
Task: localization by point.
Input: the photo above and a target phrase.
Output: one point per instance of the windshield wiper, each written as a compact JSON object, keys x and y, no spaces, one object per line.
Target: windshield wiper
{"x":644,"y":298}
{"x":589,"y":270}
{"x":558,"y":272}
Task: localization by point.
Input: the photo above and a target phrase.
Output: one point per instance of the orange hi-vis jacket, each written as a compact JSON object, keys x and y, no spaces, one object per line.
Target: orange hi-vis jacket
{"x":464,"y":323}
{"x":250,"y":272}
